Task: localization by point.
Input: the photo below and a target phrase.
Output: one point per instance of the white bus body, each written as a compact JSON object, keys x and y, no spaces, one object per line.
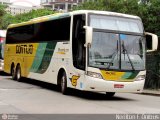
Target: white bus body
{"x":86,"y":50}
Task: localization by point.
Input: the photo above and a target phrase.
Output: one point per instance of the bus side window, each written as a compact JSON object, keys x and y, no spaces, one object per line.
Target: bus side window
{"x":78,"y":42}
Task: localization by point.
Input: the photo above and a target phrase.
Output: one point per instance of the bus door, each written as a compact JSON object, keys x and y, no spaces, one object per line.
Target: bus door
{"x":78,"y":41}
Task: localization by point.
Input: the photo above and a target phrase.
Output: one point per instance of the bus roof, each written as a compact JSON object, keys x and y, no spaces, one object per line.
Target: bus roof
{"x":62,"y":15}
{"x":40,"y":19}
{"x":105,"y":13}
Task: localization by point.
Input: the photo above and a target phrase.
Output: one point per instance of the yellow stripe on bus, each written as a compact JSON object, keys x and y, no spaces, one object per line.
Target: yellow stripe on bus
{"x":112,"y":75}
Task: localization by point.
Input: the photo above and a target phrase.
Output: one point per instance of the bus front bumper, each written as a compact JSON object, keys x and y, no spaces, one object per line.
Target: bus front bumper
{"x":101,"y":85}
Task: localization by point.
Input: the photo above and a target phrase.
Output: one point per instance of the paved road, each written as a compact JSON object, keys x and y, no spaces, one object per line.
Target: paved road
{"x":33,"y":97}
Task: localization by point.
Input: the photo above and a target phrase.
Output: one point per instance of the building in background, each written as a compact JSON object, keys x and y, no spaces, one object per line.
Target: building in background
{"x":17,"y":9}
{"x":5,"y":2}
{"x":60,"y":5}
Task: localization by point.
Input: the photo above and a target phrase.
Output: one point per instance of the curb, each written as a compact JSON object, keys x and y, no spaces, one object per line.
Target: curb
{"x":151,"y":92}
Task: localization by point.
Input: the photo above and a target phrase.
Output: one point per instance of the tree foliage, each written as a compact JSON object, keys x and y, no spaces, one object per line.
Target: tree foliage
{"x":148,"y":10}
{"x":2,"y":13}
{"x":10,"y":19}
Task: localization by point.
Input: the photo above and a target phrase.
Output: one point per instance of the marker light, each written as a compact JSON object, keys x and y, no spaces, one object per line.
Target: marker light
{"x":140,"y":77}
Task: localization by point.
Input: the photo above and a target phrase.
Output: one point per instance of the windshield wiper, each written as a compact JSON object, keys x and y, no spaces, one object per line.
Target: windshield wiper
{"x":115,"y":53}
{"x":125,"y":51}
{"x":110,"y":63}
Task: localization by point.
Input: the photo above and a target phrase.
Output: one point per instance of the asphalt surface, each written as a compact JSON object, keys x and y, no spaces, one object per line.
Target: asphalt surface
{"x":34,"y":97}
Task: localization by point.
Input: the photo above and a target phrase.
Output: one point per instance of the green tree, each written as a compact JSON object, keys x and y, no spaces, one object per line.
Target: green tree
{"x":2,"y":12}
{"x":32,"y":14}
{"x":148,"y":10}
{"x":9,"y":19}
{"x":6,"y":20}
{"x":151,"y":16}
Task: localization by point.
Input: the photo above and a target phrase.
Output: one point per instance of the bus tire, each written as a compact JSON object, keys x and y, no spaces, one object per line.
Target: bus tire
{"x":13,"y":72}
{"x":64,"y":84}
{"x":110,"y":94}
{"x":18,"y":73}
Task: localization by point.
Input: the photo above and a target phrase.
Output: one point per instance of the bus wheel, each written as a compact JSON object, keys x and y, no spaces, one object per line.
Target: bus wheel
{"x":64,"y":83}
{"x":13,"y":73}
{"x":110,"y":94}
{"x":18,"y":73}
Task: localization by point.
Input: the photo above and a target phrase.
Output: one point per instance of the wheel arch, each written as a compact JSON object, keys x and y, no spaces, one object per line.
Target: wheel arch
{"x":12,"y":66}
{"x":60,"y":73}
{"x":18,"y":64}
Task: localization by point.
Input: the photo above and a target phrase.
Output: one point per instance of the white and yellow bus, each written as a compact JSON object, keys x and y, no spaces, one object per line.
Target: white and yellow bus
{"x":86,"y":50}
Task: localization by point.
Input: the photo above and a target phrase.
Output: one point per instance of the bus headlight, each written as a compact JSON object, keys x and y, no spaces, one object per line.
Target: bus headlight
{"x":95,"y":75}
{"x":141,"y":77}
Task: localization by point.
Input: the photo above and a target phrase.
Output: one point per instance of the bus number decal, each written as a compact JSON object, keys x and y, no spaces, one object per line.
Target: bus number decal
{"x":24,"y":49}
{"x":74,"y":80}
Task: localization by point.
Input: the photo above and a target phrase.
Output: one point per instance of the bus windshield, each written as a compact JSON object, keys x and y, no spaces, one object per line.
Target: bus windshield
{"x":116,"y":23}
{"x":117,"y":50}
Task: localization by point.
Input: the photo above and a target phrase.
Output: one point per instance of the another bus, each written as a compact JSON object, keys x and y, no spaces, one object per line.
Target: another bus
{"x":2,"y":40}
{"x":86,"y":50}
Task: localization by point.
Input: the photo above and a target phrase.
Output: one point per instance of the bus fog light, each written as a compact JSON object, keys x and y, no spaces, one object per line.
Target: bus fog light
{"x":141,"y":77}
{"x":95,"y":75}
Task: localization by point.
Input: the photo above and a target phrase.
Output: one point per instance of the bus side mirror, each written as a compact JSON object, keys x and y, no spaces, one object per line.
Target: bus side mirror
{"x":151,"y":42}
{"x":89,"y":35}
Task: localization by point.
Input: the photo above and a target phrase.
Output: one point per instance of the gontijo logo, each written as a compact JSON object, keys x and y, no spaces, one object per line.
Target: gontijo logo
{"x":24,"y":49}
{"x":62,"y":50}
